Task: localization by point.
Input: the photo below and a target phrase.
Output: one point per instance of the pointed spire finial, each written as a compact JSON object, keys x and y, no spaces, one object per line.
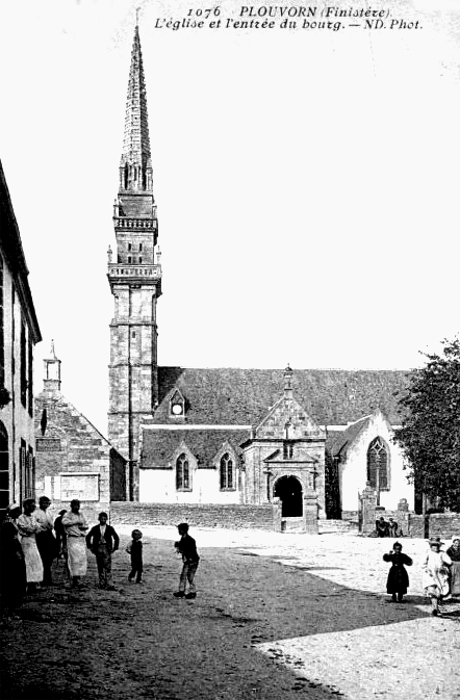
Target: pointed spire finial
{"x":137,"y":15}
{"x":135,"y":162}
{"x":288,"y":375}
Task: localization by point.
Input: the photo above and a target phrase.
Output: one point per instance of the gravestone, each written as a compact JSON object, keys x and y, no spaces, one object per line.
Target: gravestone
{"x":368,"y":501}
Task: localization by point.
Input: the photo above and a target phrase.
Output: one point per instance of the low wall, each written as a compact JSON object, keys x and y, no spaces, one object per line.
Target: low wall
{"x":229,"y":516}
{"x":443,"y":525}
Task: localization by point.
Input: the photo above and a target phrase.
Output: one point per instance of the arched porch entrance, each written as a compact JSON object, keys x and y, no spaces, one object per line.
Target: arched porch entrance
{"x":290,"y":492}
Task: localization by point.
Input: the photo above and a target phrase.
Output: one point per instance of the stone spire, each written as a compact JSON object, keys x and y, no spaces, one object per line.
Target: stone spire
{"x":135,"y":162}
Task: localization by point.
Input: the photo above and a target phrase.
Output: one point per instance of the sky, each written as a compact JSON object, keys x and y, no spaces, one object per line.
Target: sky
{"x":306,"y":182}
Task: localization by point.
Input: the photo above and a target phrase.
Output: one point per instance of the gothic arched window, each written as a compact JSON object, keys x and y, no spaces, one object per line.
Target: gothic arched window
{"x":183,"y":481}
{"x":378,"y":464}
{"x":226,"y":473}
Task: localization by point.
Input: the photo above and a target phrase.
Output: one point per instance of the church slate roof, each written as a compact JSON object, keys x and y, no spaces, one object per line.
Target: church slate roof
{"x":159,"y":445}
{"x":348,"y":435}
{"x":237,"y":396}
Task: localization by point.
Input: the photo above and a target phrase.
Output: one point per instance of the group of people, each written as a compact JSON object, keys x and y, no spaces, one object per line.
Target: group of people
{"x":387,"y":528}
{"x":440,"y":572}
{"x":30,"y":541}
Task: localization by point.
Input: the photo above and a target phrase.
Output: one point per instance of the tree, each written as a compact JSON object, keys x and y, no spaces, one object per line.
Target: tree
{"x":429,"y":435}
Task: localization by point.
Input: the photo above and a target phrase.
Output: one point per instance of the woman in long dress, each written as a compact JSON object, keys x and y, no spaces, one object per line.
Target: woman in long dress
{"x":28,"y":528}
{"x":397,"y":579}
{"x":453,"y":553}
{"x":13,"y":581}
{"x":436,"y":574}
{"x":75,"y":526}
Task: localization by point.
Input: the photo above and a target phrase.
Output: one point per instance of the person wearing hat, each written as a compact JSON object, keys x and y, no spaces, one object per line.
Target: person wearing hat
{"x":12,"y":565}
{"x":436,"y":574}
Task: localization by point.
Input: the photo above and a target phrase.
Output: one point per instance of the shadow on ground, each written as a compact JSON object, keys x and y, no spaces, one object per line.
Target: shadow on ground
{"x":141,"y":642}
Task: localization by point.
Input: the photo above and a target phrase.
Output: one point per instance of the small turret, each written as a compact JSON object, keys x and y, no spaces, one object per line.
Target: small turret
{"x":52,"y":374}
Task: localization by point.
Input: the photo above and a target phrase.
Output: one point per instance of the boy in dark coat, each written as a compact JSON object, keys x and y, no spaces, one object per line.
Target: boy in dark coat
{"x":397,"y":579}
{"x":102,"y":540}
{"x":187,"y":548}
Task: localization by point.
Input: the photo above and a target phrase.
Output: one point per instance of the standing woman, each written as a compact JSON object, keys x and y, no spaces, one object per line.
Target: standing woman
{"x":436,"y":574}
{"x":397,"y":579}
{"x":75,"y":526}
{"x":28,"y":528}
{"x":453,"y":553}
{"x":13,"y":582}
{"x":46,"y":541}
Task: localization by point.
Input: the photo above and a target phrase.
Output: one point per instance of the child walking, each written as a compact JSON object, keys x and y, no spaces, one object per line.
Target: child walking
{"x":134,"y":549}
{"x":397,"y":579}
{"x":188,"y":549}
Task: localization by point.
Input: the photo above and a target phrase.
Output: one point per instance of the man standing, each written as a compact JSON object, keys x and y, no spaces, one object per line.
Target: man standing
{"x":102,"y":540}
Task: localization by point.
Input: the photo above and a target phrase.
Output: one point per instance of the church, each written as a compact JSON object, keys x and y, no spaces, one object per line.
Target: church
{"x":231,"y":435}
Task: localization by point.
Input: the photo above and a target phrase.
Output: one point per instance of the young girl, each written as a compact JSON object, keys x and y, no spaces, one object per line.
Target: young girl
{"x":397,"y":579}
{"x":436,"y":574}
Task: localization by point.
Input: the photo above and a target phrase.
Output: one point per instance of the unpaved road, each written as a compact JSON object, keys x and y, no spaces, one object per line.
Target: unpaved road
{"x":277,"y":617}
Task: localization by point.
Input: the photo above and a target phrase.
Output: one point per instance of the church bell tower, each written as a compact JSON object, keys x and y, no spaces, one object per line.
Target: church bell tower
{"x":135,"y":279}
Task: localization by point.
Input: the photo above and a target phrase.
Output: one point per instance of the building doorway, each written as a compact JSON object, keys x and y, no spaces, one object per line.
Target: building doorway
{"x":290,"y":492}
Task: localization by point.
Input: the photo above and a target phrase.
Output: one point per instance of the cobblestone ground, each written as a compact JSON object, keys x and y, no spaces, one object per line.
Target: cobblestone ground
{"x":277,"y":617}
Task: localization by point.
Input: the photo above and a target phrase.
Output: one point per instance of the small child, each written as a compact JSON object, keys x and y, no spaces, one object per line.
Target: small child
{"x":134,"y":549}
{"x":397,"y":579}
{"x":188,"y":549}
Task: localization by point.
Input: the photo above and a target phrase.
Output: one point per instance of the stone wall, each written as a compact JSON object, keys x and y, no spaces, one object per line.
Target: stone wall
{"x":443,"y":525}
{"x":233,"y":517}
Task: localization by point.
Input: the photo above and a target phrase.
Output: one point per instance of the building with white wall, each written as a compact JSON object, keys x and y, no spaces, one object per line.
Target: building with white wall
{"x":19,"y":333}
